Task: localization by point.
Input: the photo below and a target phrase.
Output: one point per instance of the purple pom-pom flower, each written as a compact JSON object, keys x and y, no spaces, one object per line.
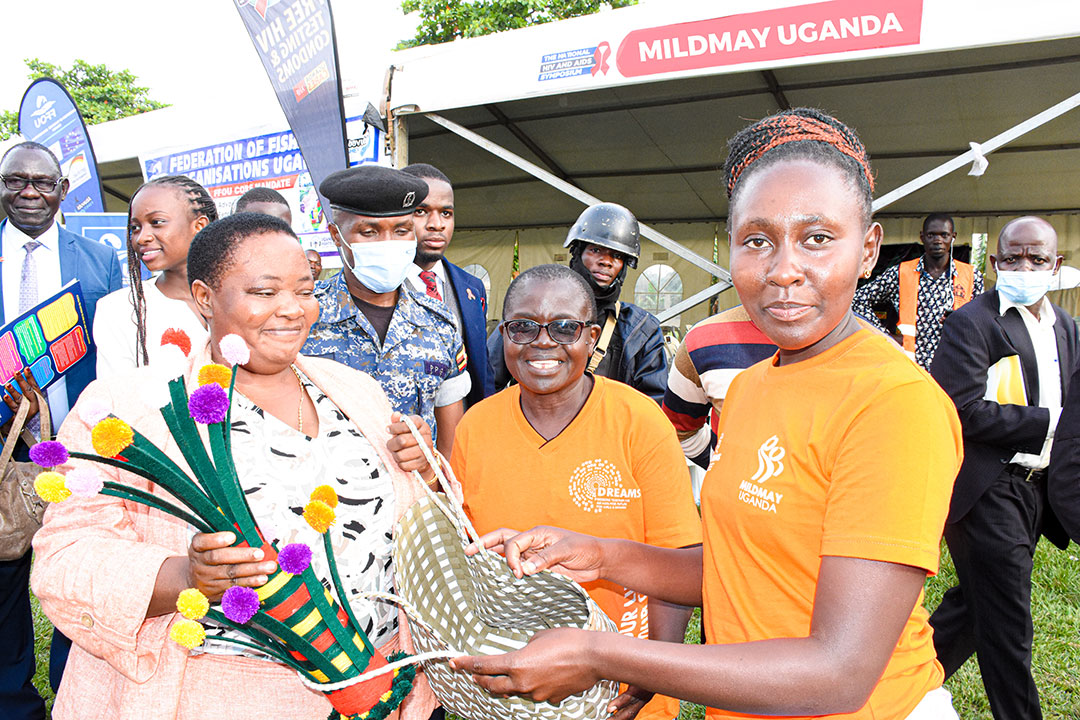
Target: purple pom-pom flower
{"x":49,"y":454}
{"x":294,"y":558}
{"x":240,"y":604}
{"x":208,"y":404}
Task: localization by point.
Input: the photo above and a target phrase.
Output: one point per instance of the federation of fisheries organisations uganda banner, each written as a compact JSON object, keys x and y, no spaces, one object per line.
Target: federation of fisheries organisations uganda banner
{"x":295,"y":41}
{"x":230,"y":168}
{"x":48,"y":116}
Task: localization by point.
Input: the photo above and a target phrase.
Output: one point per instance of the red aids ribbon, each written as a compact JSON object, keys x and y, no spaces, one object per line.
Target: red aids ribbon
{"x":600,"y":56}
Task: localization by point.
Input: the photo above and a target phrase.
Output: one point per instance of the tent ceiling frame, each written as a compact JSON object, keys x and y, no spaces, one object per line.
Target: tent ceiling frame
{"x":978,"y":150}
{"x":790,"y":87}
{"x":723,"y":277}
{"x":715,"y":167}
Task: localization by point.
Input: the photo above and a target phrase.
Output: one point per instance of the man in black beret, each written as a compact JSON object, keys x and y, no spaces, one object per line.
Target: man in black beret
{"x":369,"y":319}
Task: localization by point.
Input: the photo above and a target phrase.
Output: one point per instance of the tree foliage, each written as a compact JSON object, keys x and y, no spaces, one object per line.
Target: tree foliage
{"x":100,"y":93}
{"x":445,"y":20}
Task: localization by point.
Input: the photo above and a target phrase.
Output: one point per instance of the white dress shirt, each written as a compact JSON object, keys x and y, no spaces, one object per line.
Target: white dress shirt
{"x":1041,"y":331}
{"x":47,"y":259}
{"x":442,"y":283}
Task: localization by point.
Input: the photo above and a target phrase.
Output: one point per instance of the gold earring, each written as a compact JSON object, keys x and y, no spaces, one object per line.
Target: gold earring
{"x":866,"y":274}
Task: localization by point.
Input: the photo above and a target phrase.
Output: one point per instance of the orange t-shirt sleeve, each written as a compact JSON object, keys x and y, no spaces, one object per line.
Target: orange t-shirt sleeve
{"x":882,"y":508}
{"x":671,"y":518}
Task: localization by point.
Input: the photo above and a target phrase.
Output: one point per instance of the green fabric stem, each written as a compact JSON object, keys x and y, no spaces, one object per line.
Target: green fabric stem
{"x":186,"y":435}
{"x":198,"y":503}
{"x":230,"y":487}
{"x":339,"y":588}
{"x":147,"y":456}
{"x":126,"y":492}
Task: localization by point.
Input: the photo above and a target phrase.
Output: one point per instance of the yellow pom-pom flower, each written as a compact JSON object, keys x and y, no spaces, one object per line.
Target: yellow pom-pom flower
{"x":188,"y":633}
{"x":319,"y":515}
{"x":192,"y":604}
{"x":50,"y":487}
{"x":214,"y":373}
{"x":326,"y":494}
{"x":111,"y":436}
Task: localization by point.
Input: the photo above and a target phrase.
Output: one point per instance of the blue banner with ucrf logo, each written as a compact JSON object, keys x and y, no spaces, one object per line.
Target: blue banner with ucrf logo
{"x":295,"y":41}
{"x":49,"y":116}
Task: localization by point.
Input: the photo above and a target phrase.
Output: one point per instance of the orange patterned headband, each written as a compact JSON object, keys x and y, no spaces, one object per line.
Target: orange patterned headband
{"x":784,"y":129}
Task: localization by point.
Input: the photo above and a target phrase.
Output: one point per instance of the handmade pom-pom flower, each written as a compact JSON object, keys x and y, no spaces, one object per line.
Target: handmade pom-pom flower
{"x":294,"y":558}
{"x":235,"y":350}
{"x":192,"y":604}
{"x":214,"y":373}
{"x":326,"y":494}
{"x":111,"y":436}
{"x":240,"y":604}
{"x":157,"y":393}
{"x":319,"y":515}
{"x":170,"y":363}
{"x":84,"y":482}
{"x":93,"y":411}
{"x":50,"y":487}
{"x":177,"y":337}
{"x":49,"y":453}
{"x":188,"y":633}
{"x":208,"y":404}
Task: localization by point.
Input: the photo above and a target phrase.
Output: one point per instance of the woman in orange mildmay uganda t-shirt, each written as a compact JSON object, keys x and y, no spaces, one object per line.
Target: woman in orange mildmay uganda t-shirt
{"x":824,"y":507}
{"x":566,"y":448}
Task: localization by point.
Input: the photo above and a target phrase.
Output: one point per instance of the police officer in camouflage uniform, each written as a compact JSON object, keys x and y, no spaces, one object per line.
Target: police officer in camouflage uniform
{"x":369,"y":319}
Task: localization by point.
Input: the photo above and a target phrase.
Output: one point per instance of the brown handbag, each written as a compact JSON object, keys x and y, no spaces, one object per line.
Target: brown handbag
{"x":20,"y":507}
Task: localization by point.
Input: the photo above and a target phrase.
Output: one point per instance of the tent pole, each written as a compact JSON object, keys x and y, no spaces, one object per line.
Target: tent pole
{"x":400,"y":129}
{"x":695,"y":299}
{"x":986,"y":148}
{"x":578,"y":194}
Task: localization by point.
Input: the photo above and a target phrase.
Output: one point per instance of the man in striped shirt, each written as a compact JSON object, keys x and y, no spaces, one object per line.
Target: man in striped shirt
{"x":710,"y":356}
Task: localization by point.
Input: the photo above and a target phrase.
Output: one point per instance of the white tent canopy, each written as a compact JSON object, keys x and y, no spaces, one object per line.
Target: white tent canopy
{"x":655,"y":142}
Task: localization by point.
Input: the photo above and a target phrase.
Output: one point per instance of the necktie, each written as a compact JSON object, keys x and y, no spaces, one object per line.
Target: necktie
{"x":429,"y":282}
{"x":28,"y":299}
{"x":28,"y":286}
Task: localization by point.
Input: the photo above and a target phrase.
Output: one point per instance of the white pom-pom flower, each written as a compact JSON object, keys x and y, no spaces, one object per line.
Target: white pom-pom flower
{"x":93,"y":411}
{"x":171,"y":362}
{"x":83,"y":482}
{"x":235,"y":350}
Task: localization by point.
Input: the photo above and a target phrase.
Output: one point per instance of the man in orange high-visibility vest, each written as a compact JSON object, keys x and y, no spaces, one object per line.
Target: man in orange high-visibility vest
{"x":923,"y":291}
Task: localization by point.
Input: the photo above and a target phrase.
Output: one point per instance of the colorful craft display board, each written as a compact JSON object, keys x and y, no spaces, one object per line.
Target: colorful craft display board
{"x":49,"y":340}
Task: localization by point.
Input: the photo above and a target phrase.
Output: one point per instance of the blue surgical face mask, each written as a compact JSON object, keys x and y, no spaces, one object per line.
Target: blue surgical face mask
{"x":381,"y":266}
{"x":1024,"y":287}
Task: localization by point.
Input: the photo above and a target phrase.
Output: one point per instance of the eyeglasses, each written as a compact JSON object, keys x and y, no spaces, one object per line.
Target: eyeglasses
{"x":564,"y":332}
{"x":15,"y":183}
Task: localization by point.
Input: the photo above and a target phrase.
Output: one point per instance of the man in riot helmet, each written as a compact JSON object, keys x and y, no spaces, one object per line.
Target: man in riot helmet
{"x":603,"y":244}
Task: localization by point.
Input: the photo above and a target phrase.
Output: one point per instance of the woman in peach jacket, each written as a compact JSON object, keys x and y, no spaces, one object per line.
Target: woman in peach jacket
{"x":108,"y":571}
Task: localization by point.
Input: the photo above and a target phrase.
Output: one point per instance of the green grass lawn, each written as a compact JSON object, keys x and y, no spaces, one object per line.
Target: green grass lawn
{"x":1056,"y":661}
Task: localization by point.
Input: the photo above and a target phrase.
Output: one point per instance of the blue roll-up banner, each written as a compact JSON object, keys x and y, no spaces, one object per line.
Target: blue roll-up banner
{"x":49,"y":116}
{"x":296,"y":43}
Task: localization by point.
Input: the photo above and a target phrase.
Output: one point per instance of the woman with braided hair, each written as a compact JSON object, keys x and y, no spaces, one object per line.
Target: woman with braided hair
{"x":823,"y":510}
{"x":163,"y":217}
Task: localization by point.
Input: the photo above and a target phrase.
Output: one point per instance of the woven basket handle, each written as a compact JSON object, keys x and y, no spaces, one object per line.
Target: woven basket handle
{"x":439,"y":464}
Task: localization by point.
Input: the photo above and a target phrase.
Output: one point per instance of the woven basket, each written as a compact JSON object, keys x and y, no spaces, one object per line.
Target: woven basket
{"x":475,"y":606}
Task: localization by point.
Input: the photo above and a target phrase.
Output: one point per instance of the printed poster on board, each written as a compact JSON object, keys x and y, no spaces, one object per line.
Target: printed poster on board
{"x":48,"y":339}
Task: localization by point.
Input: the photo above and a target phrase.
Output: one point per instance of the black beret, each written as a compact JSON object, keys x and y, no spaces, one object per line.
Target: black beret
{"x":374,"y":191}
